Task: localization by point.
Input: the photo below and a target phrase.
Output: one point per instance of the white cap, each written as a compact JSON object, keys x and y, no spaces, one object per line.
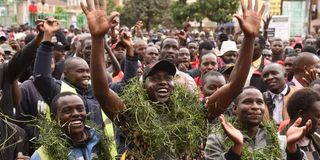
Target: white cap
{"x":227,"y":46}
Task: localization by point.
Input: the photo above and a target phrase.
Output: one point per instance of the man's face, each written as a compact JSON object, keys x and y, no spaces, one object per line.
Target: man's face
{"x":22,"y":42}
{"x":211,"y":84}
{"x":274,"y":78}
{"x":86,"y":50}
{"x":230,"y":57}
{"x":119,"y":52}
{"x":169,"y":50}
{"x":159,"y":86}
{"x":71,"y":114}
{"x":193,"y":47}
{"x":250,"y":107}
{"x":208,"y":63}
{"x":58,"y":55}
{"x":309,"y":42}
{"x":277,"y":47}
{"x":152,"y":55}
{"x":140,"y":49}
{"x":183,"y":56}
{"x":78,"y":74}
{"x":257,"y":50}
{"x":267,"y":54}
{"x":288,"y":64}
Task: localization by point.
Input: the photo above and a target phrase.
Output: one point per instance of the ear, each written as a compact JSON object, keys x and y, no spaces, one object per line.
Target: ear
{"x":234,"y":108}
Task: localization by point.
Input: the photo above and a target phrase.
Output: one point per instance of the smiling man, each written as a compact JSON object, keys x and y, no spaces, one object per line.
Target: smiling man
{"x":76,"y":78}
{"x":248,"y":137}
{"x":276,"y":98}
{"x":69,"y":112}
{"x":159,"y":84}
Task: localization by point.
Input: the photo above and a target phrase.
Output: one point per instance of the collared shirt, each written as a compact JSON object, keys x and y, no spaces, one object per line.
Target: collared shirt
{"x":278,"y":100}
{"x":254,"y":67}
{"x":297,"y":84}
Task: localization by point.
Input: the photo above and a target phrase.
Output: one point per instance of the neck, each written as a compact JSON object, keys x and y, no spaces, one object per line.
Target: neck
{"x":78,"y":137}
{"x":252,"y":130}
{"x":277,"y":91}
{"x":276,"y":57}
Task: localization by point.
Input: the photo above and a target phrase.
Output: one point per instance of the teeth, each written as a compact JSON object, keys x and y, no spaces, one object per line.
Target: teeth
{"x":86,"y":82}
{"x":163,"y":90}
{"x":76,"y":122}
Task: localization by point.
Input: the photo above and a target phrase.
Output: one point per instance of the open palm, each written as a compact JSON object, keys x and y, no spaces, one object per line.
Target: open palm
{"x":234,"y":134}
{"x":251,"y":18}
{"x":98,"y":21}
{"x":295,"y":133}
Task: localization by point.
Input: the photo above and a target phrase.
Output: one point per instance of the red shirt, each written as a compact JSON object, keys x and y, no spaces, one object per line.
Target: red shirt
{"x":33,"y":9}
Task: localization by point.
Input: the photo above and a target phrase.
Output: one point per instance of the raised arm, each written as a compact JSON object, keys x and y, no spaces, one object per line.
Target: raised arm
{"x":219,"y":101}
{"x":44,"y":81}
{"x":99,"y":24}
{"x":24,"y":57}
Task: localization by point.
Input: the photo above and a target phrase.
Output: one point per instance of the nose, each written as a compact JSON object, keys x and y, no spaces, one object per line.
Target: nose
{"x":210,"y":67}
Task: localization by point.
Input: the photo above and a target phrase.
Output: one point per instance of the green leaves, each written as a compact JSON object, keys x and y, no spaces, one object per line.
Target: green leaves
{"x":172,"y":129}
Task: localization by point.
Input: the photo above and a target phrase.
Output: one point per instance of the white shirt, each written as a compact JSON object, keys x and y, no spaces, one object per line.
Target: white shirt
{"x":278,"y":102}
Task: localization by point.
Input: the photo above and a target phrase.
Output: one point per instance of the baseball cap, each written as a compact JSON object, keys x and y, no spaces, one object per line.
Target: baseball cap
{"x":227,"y":46}
{"x":159,"y":65}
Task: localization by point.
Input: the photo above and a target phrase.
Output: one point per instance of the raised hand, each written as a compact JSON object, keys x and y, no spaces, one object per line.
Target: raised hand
{"x":126,"y":39}
{"x":267,"y":22}
{"x":296,"y":133}
{"x":233,"y":133}
{"x":309,"y":76}
{"x":49,"y":27}
{"x":98,"y":21}
{"x":250,"y":20}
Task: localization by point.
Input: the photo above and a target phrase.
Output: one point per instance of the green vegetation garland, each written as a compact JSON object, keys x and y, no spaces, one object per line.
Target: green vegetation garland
{"x":271,"y":151}
{"x":56,"y":144}
{"x":171,"y":129}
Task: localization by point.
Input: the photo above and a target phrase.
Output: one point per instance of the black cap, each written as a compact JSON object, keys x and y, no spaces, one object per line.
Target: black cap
{"x":159,"y":65}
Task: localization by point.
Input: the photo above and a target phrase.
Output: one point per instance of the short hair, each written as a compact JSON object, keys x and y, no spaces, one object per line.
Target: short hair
{"x":302,"y":99}
{"x":236,"y":100}
{"x":69,"y":61}
{"x":83,"y":40}
{"x":205,"y":45}
{"x":55,"y":101}
{"x":192,"y":42}
{"x":309,"y":49}
{"x":293,"y":54}
{"x":200,"y":56}
{"x":161,"y":44}
{"x":210,"y":73}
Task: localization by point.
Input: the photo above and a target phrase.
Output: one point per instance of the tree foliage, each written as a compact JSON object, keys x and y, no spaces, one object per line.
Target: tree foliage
{"x":151,"y":12}
{"x":216,"y":10}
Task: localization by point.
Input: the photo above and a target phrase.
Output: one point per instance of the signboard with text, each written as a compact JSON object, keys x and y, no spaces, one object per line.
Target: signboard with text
{"x":279,"y":27}
{"x":296,"y":11}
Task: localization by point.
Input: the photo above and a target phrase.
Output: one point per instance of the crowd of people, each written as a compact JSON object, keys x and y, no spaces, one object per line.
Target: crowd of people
{"x":110,"y":92}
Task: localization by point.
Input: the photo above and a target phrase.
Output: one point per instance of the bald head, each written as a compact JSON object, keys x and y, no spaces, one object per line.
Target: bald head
{"x":70,"y":63}
{"x":305,"y":60}
{"x":275,"y":66}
